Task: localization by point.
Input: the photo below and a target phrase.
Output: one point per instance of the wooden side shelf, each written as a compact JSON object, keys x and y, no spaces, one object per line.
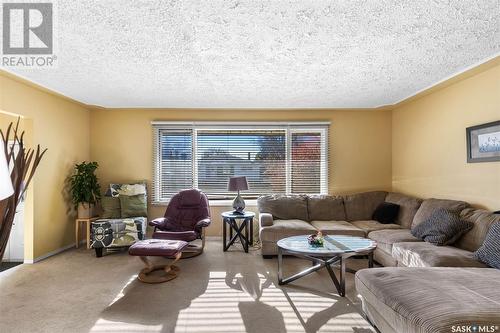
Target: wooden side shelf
{"x":78,"y":223}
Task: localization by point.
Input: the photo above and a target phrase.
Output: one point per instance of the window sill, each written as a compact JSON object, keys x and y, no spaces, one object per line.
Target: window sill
{"x":215,"y":203}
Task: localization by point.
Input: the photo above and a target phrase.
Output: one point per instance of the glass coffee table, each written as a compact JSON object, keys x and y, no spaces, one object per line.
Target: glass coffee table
{"x":334,"y":251}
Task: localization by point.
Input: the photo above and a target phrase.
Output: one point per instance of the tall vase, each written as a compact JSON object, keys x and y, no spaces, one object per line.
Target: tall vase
{"x":239,"y":204}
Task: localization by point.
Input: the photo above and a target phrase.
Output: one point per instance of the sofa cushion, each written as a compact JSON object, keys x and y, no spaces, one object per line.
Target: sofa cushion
{"x":383,"y":258}
{"x":489,"y":252}
{"x":482,"y":219}
{"x":284,"y":207}
{"x":285,"y":228}
{"x":110,"y":208}
{"x":371,"y":225}
{"x":361,"y":206}
{"x":386,"y":238}
{"x":443,"y":227}
{"x":326,"y":208}
{"x":410,"y":300}
{"x":408,"y":207}
{"x":430,"y":205}
{"x":133,"y":205}
{"x":423,"y":254}
{"x":133,"y":188}
{"x":338,"y":228}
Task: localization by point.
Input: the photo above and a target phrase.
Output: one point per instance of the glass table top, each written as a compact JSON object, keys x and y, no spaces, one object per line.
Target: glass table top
{"x":334,"y":244}
{"x":233,"y":215}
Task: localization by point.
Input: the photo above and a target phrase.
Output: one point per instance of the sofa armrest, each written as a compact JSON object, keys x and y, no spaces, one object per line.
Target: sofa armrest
{"x":265,"y":219}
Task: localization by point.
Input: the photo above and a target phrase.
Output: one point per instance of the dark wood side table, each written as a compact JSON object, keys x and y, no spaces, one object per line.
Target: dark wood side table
{"x":246,"y":222}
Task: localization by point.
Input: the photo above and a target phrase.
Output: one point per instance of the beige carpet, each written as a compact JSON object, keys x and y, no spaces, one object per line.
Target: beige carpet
{"x":215,"y":292}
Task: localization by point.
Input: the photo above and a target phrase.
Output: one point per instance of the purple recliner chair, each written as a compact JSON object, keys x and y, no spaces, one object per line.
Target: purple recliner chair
{"x":186,"y":217}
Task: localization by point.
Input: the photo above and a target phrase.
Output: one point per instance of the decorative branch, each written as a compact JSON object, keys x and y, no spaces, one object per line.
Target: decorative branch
{"x":24,"y":164}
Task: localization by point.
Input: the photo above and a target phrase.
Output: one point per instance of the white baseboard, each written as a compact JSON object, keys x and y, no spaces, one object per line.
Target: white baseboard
{"x":52,"y":253}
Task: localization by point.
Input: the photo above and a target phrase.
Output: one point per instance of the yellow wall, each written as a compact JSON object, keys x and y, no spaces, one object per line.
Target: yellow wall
{"x":62,"y":126}
{"x":418,"y":148}
{"x":360,"y":144}
{"x":429,"y":147}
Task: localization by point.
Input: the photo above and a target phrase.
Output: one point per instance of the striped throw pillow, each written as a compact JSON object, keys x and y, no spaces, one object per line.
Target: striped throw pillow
{"x":489,"y":252}
{"x":443,"y":227}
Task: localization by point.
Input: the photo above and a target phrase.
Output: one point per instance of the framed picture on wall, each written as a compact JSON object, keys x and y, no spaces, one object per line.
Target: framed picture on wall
{"x":483,"y":142}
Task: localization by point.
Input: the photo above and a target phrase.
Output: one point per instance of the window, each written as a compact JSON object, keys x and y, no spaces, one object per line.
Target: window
{"x":275,"y":157}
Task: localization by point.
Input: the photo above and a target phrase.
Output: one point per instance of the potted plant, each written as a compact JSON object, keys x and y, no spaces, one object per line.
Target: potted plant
{"x":85,"y":188}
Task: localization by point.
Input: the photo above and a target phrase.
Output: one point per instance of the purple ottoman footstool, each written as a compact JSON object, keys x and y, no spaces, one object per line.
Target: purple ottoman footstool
{"x":157,"y":248}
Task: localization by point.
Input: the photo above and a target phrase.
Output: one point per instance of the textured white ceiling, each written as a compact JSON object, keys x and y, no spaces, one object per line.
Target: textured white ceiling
{"x":286,"y":54}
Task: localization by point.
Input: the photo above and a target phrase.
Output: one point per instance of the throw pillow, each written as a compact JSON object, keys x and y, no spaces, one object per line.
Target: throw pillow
{"x":127,"y":189}
{"x":489,"y":252}
{"x":111,"y":208}
{"x":443,"y":227}
{"x":386,"y":213}
{"x":133,"y":205}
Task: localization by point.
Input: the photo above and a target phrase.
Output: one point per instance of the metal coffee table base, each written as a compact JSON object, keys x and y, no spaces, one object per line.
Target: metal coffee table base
{"x":319,"y":263}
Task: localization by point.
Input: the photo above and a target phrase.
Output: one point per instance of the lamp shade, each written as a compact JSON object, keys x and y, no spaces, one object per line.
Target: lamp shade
{"x":5,"y":181}
{"x":237,"y":184}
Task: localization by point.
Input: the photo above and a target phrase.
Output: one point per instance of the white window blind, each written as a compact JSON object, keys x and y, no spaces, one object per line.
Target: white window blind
{"x":275,"y":158}
{"x":257,"y":154}
{"x":306,"y":162}
{"x":175,"y":161}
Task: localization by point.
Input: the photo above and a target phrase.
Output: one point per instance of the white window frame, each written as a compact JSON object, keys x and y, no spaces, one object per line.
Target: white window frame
{"x":289,"y":128}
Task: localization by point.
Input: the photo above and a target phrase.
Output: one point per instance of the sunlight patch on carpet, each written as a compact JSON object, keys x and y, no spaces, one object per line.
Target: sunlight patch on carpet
{"x":108,"y":326}
{"x":238,"y":302}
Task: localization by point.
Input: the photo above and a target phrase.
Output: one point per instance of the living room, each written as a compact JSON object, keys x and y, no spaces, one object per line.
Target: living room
{"x":200,"y":156}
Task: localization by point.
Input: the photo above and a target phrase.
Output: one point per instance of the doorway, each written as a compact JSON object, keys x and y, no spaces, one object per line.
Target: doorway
{"x":14,"y":251}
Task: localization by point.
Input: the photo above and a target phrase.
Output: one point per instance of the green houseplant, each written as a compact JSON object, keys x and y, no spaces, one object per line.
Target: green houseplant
{"x":85,"y":188}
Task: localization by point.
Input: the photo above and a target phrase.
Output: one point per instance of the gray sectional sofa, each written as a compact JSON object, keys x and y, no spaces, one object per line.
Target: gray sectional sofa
{"x":423,"y":287}
{"x":283,"y":216}
{"x":431,"y":299}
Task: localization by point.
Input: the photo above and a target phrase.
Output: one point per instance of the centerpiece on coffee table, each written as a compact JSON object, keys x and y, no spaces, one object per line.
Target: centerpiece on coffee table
{"x":316,"y":240}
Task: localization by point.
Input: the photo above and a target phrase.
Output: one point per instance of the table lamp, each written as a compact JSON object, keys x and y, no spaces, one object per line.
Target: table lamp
{"x":238,"y":184}
{"x":5,"y":181}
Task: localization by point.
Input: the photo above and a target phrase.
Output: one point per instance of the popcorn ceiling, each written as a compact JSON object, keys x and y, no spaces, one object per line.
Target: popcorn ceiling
{"x":263,"y":54}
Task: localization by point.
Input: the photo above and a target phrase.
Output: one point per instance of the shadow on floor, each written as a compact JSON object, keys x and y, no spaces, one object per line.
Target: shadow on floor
{"x":216,"y":297}
{"x":155,"y":305}
{"x":217,"y":291}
